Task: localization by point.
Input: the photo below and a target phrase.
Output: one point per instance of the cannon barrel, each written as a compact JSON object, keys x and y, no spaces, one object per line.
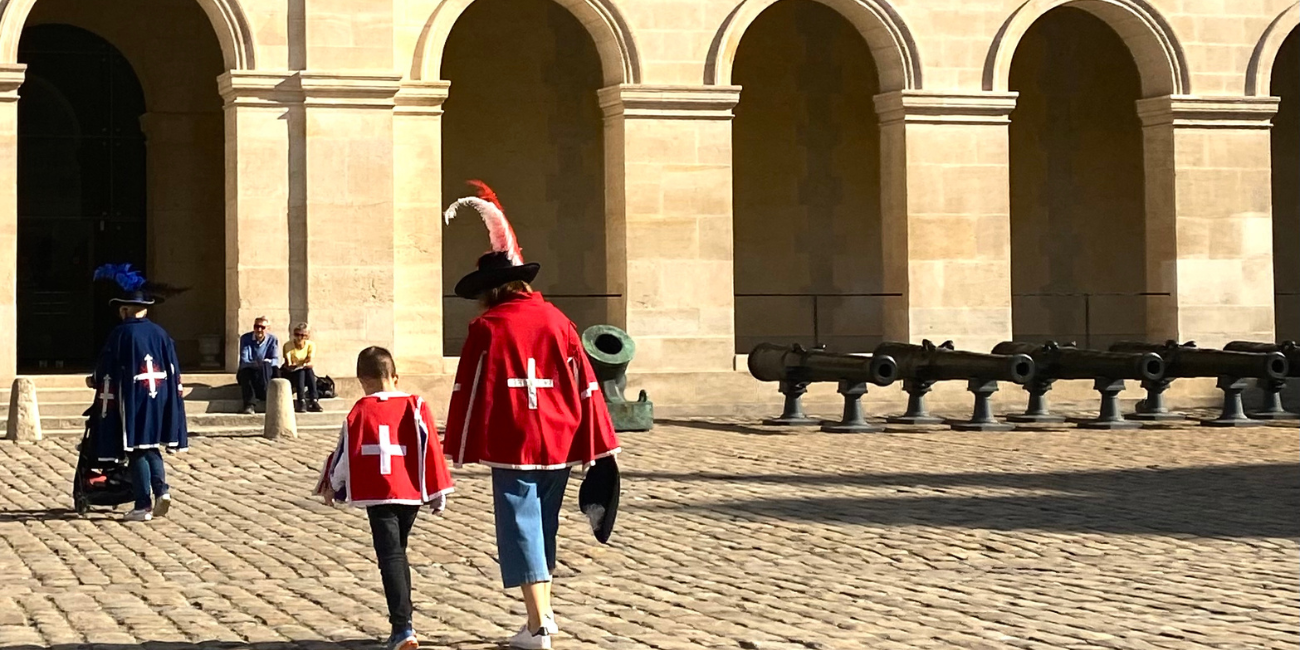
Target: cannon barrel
{"x":930,"y":363}
{"x":1190,"y":361}
{"x":771,"y":362}
{"x":1289,"y":349}
{"x":1052,"y":361}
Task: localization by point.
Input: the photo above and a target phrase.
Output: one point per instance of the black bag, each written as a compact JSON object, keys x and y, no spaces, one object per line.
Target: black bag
{"x":325,"y":388}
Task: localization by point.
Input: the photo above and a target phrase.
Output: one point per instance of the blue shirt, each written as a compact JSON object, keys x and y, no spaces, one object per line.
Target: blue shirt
{"x":252,"y":354}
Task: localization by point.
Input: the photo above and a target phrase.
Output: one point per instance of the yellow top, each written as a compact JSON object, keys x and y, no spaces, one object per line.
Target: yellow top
{"x":295,"y":357}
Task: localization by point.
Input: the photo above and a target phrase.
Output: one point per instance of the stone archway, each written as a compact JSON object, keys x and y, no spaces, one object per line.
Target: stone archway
{"x":806,"y":183}
{"x":893,"y":49}
{"x":1078,"y":209}
{"x":1149,"y":37}
{"x":227,"y":18}
{"x":619,"y":59}
{"x":1260,"y":70}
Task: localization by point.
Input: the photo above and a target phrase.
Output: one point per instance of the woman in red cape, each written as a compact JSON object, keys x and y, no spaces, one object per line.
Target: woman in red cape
{"x":527,"y":404}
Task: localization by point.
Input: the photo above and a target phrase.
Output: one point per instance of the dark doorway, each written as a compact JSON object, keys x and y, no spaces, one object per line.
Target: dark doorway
{"x":1286,"y":189}
{"x":81,"y":192}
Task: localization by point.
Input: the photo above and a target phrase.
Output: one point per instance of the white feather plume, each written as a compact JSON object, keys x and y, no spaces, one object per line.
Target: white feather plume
{"x":500,"y":233}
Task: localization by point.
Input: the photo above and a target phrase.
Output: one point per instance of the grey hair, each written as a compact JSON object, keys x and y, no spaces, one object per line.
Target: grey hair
{"x":302,"y":327}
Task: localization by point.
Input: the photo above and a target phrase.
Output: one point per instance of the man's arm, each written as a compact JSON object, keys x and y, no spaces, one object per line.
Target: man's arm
{"x":273,"y":350}
{"x":245,"y":352}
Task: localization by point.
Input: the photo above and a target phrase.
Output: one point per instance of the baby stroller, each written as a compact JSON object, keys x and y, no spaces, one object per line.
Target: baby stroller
{"x":97,"y":482}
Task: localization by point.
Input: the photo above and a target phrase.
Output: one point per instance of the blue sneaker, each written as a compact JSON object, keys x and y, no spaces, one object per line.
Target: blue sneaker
{"x":402,"y":641}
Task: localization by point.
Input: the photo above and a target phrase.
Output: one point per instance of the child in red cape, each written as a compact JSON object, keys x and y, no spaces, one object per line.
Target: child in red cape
{"x":390,"y":462}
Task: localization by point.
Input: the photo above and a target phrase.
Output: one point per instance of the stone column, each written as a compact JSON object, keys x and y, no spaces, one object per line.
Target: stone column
{"x":417,"y":226}
{"x":1209,"y":219}
{"x":668,"y":227}
{"x":259,"y":107}
{"x":349,"y":228}
{"x":11,"y":77}
{"x":945,"y":188}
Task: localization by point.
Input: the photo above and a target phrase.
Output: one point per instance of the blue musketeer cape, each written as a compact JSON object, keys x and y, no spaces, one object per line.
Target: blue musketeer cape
{"x":138,"y":392}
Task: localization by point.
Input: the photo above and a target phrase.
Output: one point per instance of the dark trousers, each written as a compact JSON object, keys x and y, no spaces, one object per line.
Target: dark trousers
{"x":304,"y":383}
{"x":390,"y":525}
{"x":253,"y":382}
{"x":147,"y":472}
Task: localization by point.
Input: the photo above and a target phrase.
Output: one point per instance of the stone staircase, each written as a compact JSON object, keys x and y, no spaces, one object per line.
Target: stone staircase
{"x":212,"y":404}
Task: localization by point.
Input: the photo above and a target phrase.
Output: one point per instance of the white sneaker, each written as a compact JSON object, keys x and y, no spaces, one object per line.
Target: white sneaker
{"x":162,"y":505}
{"x":525,"y":640}
{"x":142,"y":514}
{"x":548,"y":624}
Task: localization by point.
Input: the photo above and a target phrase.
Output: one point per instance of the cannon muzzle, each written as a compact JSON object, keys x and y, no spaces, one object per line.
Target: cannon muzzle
{"x":928,"y":362}
{"x":610,"y":349}
{"x":1053,"y":361}
{"x":771,"y":362}
{"x":1187,"y":360}
{"x":1289,"y":349}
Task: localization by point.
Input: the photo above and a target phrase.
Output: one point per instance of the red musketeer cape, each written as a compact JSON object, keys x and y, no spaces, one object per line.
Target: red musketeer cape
{"x":388,"y":452}
{"x":525,"y":395}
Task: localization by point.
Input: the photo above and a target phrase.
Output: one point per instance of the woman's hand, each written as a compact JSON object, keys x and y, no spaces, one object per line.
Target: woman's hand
{"x":328,"y":495}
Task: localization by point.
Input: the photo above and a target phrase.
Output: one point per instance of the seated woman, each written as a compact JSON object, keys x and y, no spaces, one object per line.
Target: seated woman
{"x":297,"y":368}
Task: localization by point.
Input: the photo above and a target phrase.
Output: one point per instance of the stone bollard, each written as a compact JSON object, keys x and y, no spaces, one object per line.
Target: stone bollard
{"x":281,"y":422}
{"x":24,"y":417}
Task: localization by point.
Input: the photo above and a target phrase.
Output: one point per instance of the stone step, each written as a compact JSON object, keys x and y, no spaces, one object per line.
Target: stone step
{"x":79,"y":380}
{"x":192,"y":406}
{"x":209,"y":432}
{"x":198,"y":421}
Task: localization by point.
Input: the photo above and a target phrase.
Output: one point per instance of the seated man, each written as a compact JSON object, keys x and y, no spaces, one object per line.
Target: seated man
{"x":259,"y":356}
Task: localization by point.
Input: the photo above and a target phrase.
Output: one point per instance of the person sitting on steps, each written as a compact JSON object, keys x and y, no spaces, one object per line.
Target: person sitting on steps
{"x":259,"y":356}
{"x":299,"y":354}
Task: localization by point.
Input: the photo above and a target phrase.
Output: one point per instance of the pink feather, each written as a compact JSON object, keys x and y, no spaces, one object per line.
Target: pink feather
{"x":501,"y":235}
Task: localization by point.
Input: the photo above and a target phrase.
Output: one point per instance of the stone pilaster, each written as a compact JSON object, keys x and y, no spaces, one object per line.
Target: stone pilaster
{"x":259,"y":111}
{"x":11,"y":77}
{"x":1209,"y":217}
{"x":417,"y":226}
{"x":668,"y":227}
{"x":349,"y":225}
{"x":946,"y":236}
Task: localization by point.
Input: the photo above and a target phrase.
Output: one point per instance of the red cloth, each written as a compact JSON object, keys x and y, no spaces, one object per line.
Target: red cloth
{"x":525,"y":394}
{"x":388,"y":452}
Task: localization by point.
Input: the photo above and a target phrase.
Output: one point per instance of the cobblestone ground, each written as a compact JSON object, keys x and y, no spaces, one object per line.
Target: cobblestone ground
{"x":731,"y":536}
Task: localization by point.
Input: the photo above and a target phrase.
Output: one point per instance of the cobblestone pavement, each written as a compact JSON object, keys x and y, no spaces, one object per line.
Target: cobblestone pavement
{"x":731,"y":536}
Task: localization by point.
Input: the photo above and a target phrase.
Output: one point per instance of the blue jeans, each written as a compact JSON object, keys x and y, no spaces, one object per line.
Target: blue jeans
{"x":147,"y":472}
{"x":526,"y":505}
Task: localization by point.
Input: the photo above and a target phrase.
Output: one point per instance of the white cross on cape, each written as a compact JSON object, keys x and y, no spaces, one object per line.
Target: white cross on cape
{"x":532,"y":383}
{"x":385,"y":450}
{"x":105,"y":397}
{"x":151,"y":376}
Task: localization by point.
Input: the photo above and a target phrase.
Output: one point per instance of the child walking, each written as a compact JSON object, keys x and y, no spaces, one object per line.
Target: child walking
{"x":389,"y":461}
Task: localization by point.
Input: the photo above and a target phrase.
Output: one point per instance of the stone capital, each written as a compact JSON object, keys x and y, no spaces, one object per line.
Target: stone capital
{"x":930,"y":107}
{"x":348,"y":89}
{"x":259,"y":88}
{"x":11,"y":77}
{"x":421,"y":97}
{"x":667,"y":102}
{"x":1185,"y":111}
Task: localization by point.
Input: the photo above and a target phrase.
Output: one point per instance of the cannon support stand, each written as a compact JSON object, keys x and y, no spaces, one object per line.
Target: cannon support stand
{"x":1108,"y":415}
{"x":1232,"y":415}
{"x":792,"y":414}
{"x":1036,"y":412}
{"x":981,"y":418}
{"x":1272,"y":408}
{"x":916,"y":412}
{"x":1153,"y":408}
{"x":853,"y":420}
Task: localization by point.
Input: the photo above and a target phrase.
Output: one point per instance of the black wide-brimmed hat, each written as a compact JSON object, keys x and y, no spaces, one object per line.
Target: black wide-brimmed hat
{"x":505,"y":262}
{"x":598,"y":497}
{"x":134,"y":289}
{"x":494,"y":270}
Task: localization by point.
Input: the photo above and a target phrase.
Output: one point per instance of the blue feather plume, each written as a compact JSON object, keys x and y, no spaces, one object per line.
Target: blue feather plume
{"x":125,"y":276}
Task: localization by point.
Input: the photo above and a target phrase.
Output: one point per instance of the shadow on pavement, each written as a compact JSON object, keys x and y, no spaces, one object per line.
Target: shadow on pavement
{"x":727,"y":427}
{"x":1223,"y":501}
{"x":313,"y":644}
{"x":53,"y":514}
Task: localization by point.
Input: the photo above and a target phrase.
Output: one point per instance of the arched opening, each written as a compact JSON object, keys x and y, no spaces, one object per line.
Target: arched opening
{"x":1286,"y":189}
{"x":120,"y":159}
{"x":1078,"y":211}
{"x":522,"y":115}
{"x":806,"y":167}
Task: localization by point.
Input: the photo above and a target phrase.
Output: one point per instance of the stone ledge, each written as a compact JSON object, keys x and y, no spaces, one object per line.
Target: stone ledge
{"x":421,"y":97}
{"x":926,"y":107}
{"x":11,"y":77}
{"x":1185,"y":111}
{"x":669,"y":102}
{"x":258,"y":88}
{"x":348,"y":90}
